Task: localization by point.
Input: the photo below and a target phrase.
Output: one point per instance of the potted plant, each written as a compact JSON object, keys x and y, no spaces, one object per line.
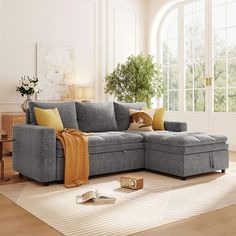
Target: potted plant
{"x":137,"y":80}
{"x":27,"y":86}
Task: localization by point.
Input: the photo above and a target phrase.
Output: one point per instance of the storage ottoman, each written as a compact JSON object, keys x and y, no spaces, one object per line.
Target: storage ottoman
{"x":185,"y":154}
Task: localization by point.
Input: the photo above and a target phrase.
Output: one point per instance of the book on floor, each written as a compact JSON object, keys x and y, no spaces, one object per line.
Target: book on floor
{"x":94,"y":196}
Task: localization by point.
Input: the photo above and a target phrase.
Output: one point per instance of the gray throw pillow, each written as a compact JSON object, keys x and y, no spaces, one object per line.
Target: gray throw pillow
{"x":122,"y":113}
{"x":66,"y":110}
{"x":96,"y":117}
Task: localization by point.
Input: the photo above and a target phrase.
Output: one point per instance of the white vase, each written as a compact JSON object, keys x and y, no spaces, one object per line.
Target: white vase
{"x":25,"y":104}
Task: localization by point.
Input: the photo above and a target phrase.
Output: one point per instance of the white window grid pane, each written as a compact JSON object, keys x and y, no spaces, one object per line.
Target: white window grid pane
{"x":219,"y":15}
{"x":217,"y":2}
{"x":194,"y":7}
{"x":229,"y":38}
{"x":231,"y":14}
{"x":171,"y":42}
{"x":227,"y":26}
{"x":192,"y":60}
{"x":170,"y":26}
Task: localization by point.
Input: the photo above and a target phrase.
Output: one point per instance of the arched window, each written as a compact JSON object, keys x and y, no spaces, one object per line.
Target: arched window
{"x":169,"y":48}
{"x":198,"y":56}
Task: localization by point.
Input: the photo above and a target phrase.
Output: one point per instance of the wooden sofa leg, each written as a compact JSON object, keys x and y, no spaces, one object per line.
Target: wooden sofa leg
{"x":46,"y":183}
{"x":223,"y":170}
{"x":20,"y":175}
{"x":184,"y":178}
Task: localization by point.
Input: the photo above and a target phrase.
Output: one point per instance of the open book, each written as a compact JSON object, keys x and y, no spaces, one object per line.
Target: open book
{"x":94,"y":196}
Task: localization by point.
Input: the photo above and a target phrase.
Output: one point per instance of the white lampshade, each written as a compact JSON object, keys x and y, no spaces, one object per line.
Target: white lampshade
{"x":2,"y":132}
{"x":84,"y":93}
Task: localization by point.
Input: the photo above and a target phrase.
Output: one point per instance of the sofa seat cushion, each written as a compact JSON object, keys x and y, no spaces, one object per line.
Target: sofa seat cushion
{"x":109,"y":142}
{"x":182,"y":139}
{"x":114,"y":138}
{"x":183,"y":143}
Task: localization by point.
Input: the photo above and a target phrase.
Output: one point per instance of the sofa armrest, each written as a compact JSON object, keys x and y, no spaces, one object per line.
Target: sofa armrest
{"x":34,"y":152}
{"x":175,"y":126}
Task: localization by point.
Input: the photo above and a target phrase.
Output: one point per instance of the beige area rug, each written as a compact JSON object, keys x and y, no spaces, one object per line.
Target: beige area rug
{"x":164,"y":199}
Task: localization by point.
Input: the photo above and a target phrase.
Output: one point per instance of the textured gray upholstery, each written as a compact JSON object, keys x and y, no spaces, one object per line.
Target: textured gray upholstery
{"x":38,"y":155}
{"x":105,"y":163}
{"x":186,"y":149}
{"x":109,"y":142}
{"x":185,"y":154}
{"x":175,"y":126}
{"x":27,"y":116}
{"x":183,"y":139}
{"x":115,"y":148}
{"x":34,"y":152}
{"x":96,"y":117}
{"x":186,"y":165}
{"x":110,"y":138}
{"x":122,"y":113}
{"x":105,"y":149}
{"x":66,"y":110}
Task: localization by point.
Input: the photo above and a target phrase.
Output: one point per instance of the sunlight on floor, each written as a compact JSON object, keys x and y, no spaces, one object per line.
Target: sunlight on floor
{"x":232,"y":156}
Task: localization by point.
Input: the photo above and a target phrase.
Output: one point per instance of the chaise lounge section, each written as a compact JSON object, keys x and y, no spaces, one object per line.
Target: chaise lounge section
{"x":185,"y":154}
{"x":38,"y":155}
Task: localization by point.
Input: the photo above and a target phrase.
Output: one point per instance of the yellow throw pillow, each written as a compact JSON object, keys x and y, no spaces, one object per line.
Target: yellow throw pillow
{"x":140,"y":121}
{"x":49,"y":118}
{"x":158,"y":119}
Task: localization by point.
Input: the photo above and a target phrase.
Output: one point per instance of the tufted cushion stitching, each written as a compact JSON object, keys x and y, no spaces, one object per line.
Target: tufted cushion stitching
{"x":110,"y":138}
{"x":184,"y":139}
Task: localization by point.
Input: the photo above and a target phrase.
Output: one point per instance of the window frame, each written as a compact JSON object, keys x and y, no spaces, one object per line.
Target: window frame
{"x":209,"y":56}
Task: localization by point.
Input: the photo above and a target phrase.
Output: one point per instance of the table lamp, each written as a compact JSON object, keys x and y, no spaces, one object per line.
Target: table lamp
{"x":85,"y":94}
{"x":3,"y":134}
{"x":82,"y":93}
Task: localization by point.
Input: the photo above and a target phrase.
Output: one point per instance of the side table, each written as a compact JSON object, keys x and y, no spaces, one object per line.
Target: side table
{"x":7,"y":140}
{"x":8,"y":121}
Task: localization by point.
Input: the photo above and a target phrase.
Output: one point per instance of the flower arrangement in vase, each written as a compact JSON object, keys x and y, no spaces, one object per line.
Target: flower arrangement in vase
{"x":27,"y":86}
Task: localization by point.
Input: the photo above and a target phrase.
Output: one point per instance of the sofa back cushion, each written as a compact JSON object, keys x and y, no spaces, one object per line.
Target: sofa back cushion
{"x":122,"y":113}
{"x":66,"y":110}
{"x":96,"y":117}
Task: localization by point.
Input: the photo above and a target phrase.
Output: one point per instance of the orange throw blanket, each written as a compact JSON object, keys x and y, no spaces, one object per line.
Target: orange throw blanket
{"x":75,"y":145}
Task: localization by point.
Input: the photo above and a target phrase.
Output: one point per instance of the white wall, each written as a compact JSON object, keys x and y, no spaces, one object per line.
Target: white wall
{"x":27,"y":22}
{"x":103,"y":32}
{"x":155,"y":13}
{"x":126,"y":31}
{"x":153,"y":7}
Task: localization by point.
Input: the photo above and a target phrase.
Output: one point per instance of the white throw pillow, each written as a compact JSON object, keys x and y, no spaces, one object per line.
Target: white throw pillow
{"x":140,"y":121}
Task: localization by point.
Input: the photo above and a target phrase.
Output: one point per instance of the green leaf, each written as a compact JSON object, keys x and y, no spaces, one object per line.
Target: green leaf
{"x":138,"y":79}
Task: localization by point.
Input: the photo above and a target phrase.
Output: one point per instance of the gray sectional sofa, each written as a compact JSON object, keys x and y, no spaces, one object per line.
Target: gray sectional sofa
{"x":38,"y":155}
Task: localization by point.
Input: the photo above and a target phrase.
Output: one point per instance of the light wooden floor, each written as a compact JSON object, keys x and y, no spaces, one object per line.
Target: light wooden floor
{"x":16,"y":221}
